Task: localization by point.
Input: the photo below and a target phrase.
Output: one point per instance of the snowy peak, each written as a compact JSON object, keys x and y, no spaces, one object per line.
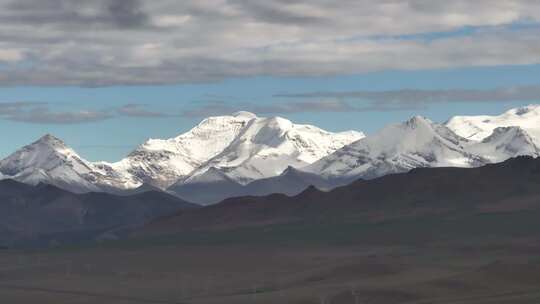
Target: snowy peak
{"x":504,"y":143}
{"x":420,"y":142}
{"x":162,"y":162}
{"x":267,"y":146}
{"x":414,"y":135}
{"x":49,"y":160}
{"x":482,"y":126}
{"x":418,"y":122}
{"x":217,"y":125}
{"x":51,"y":144}
{"x":50,"y":140}
{"x":421,"y":125}
{"x":244,"y":114}
{"x":47,"y":153}
{"x":417,"y":142}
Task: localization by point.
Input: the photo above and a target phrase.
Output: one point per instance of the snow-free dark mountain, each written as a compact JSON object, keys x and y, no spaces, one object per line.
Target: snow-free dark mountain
{"x":44,"y":214}
{"x":446,"y":194}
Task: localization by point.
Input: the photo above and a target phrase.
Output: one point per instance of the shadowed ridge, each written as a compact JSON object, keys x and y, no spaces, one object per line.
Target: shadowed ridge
{"x":36,"y":215}
{"x":9,"y":184}
{"x":310,"y":191}
{"x":510,"y":186}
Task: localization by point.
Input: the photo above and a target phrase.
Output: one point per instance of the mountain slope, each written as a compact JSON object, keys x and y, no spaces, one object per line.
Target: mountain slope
{"x":415,"y":143}
{"x":291,"y":182}
{"x":36,"y":214}
{"x":504,"y":143}
{"x":480,"y":127}
{"x":267,"y":146}
{"x":242,"y":145}
{"x":162,"y":162}
{"x":444,"y":193}
{"x":263,"y":149}
{"x":215,"y":187}
{"x":49,"y":160}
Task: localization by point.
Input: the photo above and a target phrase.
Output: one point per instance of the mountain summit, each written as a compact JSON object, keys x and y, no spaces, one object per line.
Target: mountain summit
{"x":482,"y":126}
{"x":243,"y":146}
{"x":265,"y":147}
{"x":49,"y":160}
{"x":415,"y":143}
{"x":161,"y":162}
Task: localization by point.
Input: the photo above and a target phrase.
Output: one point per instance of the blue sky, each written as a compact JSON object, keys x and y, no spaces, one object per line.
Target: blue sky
{"x":106,"y":75}
{"x":113,"y":138}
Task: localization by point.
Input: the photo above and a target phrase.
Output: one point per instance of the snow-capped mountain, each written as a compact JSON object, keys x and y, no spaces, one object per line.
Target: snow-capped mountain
{"x":245,"y":154}
{"x":504,"y":143}
{"x":161,"y":162}
{"x":420,"y":142}
{"x":415,"y":143}
{"x":242,"y":146}
{"x":480,"y":127}
{"x":265,"y":147}
{"x":49,"y":160}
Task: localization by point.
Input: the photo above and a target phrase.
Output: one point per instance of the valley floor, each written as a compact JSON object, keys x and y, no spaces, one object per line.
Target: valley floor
{"x":464,"y":272}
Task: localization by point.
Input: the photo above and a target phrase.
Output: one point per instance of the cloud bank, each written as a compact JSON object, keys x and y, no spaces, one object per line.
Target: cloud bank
{"x":131,"y":42}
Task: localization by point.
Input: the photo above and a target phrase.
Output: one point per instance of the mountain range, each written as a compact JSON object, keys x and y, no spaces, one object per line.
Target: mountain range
{"x":420,"y":142}
{"x":242,"y":154}
{"x":482,"y":126}
{"x":444,"y":197}
{"x":41,"y":214}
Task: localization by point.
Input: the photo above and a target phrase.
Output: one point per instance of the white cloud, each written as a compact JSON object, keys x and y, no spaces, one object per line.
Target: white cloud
{"x":107,"y":42}
{"x":171,"y":20}
{"x":11,"y":55}
{"x":414,"y":98}
{"x":40,"y":113}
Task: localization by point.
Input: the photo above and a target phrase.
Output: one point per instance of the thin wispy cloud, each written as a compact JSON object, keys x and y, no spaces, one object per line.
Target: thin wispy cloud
{"x":44,"y":116}
{"x":104,"y":147}
{"x":285,"y":103}
{"x":407,"y":99}
{"x":215,"y":108}
{"x":139,"y":110}
{"x":42,"y":113}
{"x":366,"y":101}
{"x":131,"y":42}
